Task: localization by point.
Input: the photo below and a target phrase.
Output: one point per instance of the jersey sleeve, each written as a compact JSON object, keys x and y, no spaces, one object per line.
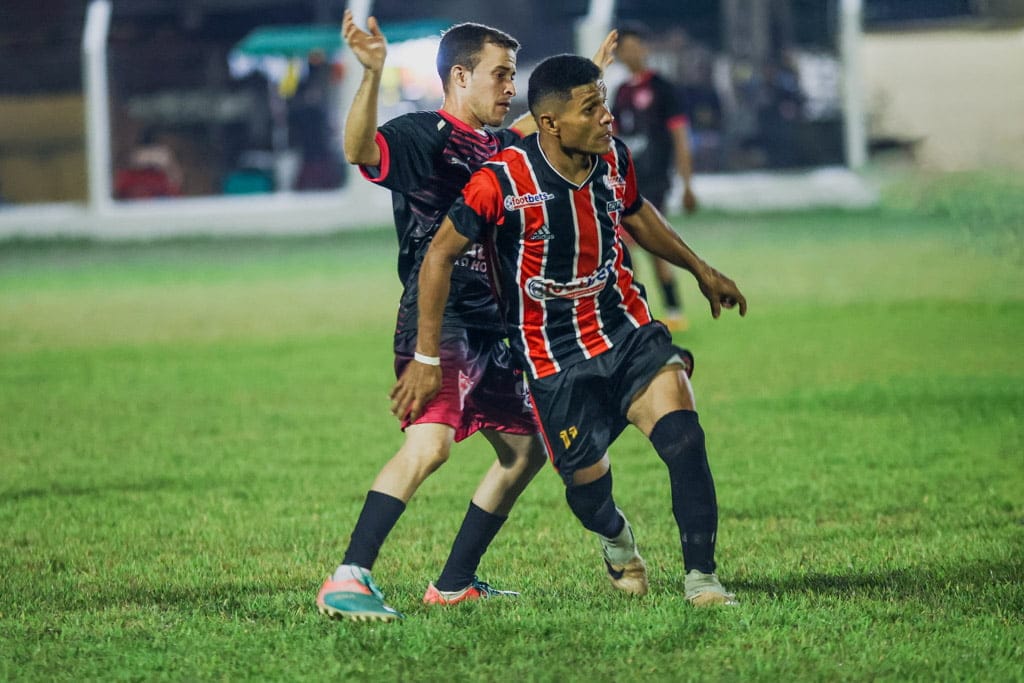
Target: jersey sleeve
{"x":407,"y":146}
{"x":675,"y":114}
{"x":507,"y":137}
{"x":479,"y":206}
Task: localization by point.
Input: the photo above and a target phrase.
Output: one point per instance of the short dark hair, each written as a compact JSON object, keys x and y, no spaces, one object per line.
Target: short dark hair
{"x":557,"y":76}
{"x":633,"y":29}
{"x":462,"y":43}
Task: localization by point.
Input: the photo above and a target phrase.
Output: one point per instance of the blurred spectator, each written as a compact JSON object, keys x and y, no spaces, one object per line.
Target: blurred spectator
{"x":704,"y":111}
{"x":152,"y":171}
{"x":780,"y":112}
{"x":311,"y":131}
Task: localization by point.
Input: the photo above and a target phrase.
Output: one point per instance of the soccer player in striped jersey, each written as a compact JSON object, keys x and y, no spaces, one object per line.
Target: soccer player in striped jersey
{"x":425,"y":159}
{"x":548,"y":210}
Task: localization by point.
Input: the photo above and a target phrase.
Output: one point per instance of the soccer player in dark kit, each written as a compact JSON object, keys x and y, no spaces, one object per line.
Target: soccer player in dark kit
{"x":650,"y":120}
{"x":425,"y":159}
{"x":548,"y":209}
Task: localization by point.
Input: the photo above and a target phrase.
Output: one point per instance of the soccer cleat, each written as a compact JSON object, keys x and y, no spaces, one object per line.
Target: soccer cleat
{"x":353,"y":595}
{"x":476,"y":590}
{"x":704,"y":590}
{"x":626,"y":569}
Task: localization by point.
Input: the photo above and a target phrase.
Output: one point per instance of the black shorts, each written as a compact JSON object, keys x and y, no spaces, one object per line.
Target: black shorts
{"x":582,"y":409}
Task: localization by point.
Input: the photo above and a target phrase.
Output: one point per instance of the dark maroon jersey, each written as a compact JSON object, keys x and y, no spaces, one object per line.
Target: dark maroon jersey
{"x":646,"y":110}
{"x":562,"y":274}
{"x":427,"y":158}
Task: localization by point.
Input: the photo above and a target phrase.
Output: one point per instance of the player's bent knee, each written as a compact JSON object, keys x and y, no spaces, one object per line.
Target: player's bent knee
{"x":679,"y":439}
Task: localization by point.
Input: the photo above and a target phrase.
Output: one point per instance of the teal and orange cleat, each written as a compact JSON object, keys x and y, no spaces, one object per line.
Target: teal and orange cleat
{"x":476,"y":590}
{"x":351,"y":594}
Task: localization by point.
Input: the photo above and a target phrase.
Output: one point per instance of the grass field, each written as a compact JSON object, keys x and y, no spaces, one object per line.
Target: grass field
{"x":188,"y":429}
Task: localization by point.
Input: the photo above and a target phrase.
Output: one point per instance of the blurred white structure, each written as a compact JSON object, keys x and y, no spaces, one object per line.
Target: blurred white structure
{"x":361,"y":204}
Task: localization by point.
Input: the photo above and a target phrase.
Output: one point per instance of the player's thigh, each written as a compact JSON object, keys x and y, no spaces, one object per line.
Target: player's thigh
{"x":577,"y":418}
{"x":513,"y":449}
{"x":669,"y":391}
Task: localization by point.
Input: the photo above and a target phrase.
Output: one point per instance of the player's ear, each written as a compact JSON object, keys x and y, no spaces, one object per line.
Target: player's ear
{"x":459,"y":75}
{"x":547,"y":122}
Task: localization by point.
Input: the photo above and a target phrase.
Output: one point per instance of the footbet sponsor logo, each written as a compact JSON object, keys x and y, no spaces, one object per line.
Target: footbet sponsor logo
{"x":521,"y":201}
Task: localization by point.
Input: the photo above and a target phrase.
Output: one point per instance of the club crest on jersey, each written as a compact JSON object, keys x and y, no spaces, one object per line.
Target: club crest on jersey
{"x":614,"y":181}
{"x":521,"y":201}
{"x":541,"y":289}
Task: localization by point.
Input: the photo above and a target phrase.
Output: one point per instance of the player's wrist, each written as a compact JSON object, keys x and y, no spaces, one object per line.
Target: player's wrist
{"x":426,"y":359}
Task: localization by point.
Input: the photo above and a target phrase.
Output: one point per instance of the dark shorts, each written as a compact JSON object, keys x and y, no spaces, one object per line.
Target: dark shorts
{"x":480,"y":389}
{"x":582,"y":409}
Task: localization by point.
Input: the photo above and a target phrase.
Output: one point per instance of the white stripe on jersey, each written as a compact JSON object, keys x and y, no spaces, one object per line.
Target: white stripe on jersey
{"x":575,"y":269}
{"x":519,"y":266}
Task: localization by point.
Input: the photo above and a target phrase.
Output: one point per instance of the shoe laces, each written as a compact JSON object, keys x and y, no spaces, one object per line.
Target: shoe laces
{"x":482,"y":586}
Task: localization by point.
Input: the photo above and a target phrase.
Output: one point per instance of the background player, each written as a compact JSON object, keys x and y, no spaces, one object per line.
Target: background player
{"x":551,"y":208}
{"x":651,"y":121}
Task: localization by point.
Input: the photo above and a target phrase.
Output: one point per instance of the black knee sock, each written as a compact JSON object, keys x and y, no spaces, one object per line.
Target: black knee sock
{"x":476,"y":533}
{"x":671,"y":296}
{"x":378,"y":517}
{"x":594,"y":506}
{"x":679,"y":440}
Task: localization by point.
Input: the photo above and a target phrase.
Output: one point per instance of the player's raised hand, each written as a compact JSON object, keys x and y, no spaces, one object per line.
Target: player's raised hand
{"x":417,"y":385}
{"x":605,"y":54}
{"x":721,"y":292}
{"x":370,"y":48}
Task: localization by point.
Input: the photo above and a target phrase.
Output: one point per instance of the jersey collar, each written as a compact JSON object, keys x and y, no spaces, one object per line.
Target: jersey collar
{"x":458,"y":123}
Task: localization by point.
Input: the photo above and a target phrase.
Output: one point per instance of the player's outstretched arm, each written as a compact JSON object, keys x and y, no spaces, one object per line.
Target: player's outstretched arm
{"x":604,"y":56}
{"x":421,"y":381}
{"x":371,"y":49}
{"x":652,"y":232}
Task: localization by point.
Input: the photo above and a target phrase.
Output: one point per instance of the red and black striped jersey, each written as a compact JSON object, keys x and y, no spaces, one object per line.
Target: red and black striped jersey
{"x":562,"y":274}
{"x":426,"y":159}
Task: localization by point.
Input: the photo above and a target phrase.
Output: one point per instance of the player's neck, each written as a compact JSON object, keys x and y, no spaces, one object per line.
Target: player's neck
{"x":461,"y":112}
{"x":572,"y":165}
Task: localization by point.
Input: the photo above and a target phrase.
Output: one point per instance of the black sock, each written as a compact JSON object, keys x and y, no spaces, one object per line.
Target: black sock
{"x":671,"y":296}
{"x":594,"y":506}
{"x":475,"y":535}
{"x":679,"y":440}
{"x":378,"y":517}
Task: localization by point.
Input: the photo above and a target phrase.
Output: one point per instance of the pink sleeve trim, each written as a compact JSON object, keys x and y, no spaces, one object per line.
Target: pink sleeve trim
{"x":385,"y":161}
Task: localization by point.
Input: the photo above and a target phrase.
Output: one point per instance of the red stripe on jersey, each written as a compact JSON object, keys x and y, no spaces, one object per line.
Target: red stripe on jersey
{"x":632,"y":303}
{"x":588,"y":260}
{"x":483,"y":194}
{"x":532,"y":258}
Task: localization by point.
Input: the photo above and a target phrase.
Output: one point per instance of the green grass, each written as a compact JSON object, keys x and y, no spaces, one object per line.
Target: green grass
{"x":187,"y":431}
